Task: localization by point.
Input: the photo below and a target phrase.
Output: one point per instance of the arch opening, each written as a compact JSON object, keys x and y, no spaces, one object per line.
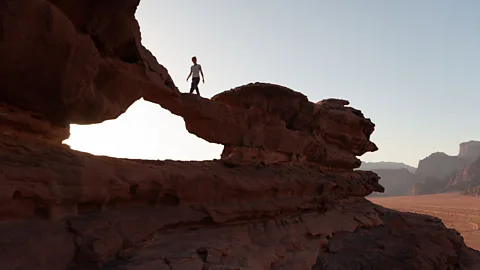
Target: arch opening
{"x":144,"y":131}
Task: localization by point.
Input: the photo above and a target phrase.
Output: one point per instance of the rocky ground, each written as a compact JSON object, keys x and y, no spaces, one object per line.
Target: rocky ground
{"x":284,"y":194}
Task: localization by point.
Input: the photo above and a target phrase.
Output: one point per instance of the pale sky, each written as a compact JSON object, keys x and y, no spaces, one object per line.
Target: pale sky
{"x":411,"y":66}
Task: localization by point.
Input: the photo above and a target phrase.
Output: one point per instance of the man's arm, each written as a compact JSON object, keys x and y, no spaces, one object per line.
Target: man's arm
{"x":201,"y":72}
{"x":189,"y":75}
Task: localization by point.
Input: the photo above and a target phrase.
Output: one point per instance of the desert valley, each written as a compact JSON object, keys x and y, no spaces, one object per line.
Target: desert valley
{"x":443,"y":186}
{"x":458,"y":212}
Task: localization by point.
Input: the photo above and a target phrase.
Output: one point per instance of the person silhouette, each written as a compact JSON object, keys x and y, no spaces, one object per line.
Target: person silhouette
{"x":195,"y":71}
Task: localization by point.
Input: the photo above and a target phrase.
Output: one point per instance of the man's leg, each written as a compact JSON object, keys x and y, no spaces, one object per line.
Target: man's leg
{"x":192,"y":86}
{"x":198,"y":90}
{"x":195,"y":82}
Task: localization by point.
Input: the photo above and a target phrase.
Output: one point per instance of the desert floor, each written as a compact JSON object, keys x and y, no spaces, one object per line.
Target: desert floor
{"x":458,"y":212}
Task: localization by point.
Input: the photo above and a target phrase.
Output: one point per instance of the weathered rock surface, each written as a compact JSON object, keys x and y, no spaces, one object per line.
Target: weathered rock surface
{"x":467,"y":180}
{"x":283,"y":196}
{"x":133,"y":214}
{"x":282,"y":125}
{"x":84,"y":60}
{"x":102,"y":69}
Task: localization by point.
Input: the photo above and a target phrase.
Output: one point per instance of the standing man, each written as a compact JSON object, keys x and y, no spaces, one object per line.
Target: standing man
{"x":195,"y":72}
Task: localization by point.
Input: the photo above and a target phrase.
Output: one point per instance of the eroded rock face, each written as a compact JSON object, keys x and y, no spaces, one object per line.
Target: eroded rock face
{"x":440,"y":165}
{"x":103,"y":68}
{"x":327,"y":134}
{"x":434,"y":171}
{"x":429,"y":185}
{"x":75,"y":61}
{"x":132,"y":214}
{"x":282,"y":121}
{"x":467,"y":178}
{"x":284,"y":195}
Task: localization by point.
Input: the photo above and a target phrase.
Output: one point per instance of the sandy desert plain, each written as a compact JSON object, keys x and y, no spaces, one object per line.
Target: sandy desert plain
{"x":456,"y":211}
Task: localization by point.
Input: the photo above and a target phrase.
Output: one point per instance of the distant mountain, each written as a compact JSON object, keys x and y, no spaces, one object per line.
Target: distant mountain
{"x":397,"y":182}
{"x":436,"y":173}
{"x":386,"y":165}
{"x":440,"y":165}
{"x":470,"y":149}
{"x":440,"y":172}
{"x":468,"y":179}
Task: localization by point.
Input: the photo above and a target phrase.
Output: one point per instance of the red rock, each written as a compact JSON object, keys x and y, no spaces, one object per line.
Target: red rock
{"x":78,"y":58}
{"x":101,"y":70}
{"x":119,"y":204}
{"x":332,"y":135}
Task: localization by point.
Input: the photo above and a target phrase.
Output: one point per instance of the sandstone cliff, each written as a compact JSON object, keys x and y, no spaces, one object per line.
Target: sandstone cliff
{"x":283,"y":196}
{"x":470,"y":150}
{"x":440,"y":165}
{"x":467,"y":180}
{"x":434,"y":171}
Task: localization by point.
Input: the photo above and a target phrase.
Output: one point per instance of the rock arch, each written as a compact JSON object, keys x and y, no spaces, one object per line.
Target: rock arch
{"x":90,"y":81}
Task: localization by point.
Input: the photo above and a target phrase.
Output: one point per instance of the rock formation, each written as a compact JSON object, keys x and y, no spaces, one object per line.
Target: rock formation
{"x":470,"y":150}
{"x":429,"y":185}
{"x":440,"y":165}
{"x":467,"y":179}
{"x":440,"y":172}
{"x":473,"y":191}
{"x":434,"y":171}
{"x":283,"y":196}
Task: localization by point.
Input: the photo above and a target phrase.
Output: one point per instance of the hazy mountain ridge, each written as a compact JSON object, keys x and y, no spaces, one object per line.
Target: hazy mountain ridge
{"x":397,"y":182}
{"x":386,"y":165}
{"x":436,"y":173}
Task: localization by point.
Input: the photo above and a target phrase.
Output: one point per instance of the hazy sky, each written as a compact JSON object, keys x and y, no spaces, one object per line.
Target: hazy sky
{"x":411,"y":66}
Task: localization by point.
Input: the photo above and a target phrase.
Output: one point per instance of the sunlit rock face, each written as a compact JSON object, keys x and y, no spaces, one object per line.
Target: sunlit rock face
{"x":284,"y":194}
